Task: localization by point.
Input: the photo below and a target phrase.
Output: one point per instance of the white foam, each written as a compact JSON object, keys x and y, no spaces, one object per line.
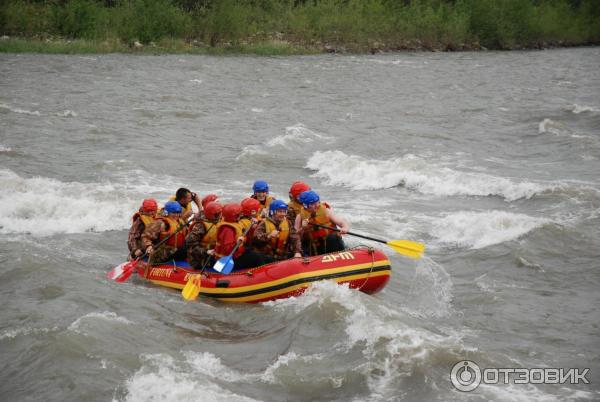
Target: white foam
{"x":197,"y":81}
{"x":18,"y":110}
{"x":104,"y":315}
{"x":582,"y":108}
{"x":295,"y":138}
{"x":481,"y":229}
{"x":67,"y":113}
{"x":257,"y":110}
{"x":5,"y":148}
{"x":431,"y":290}
{"x":43,"y":206}
{"x":24,"y":331}
{"x":414,"y":172}
{"x":210,"y":365}
{"x":161,"y":378}
{"x":552,"y":127}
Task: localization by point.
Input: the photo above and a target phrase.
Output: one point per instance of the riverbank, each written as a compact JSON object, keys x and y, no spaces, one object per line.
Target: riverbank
{"x":264,"y":48}
{"x":283,"y":27}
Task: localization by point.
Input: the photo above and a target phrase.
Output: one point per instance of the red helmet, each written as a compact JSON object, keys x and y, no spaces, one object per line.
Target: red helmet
{"x":298,"y":187}
{"x":231,"y":212}
{"x":212,"y":210}
{"x":250,"y":205}
{"x":209,"y":198}
{"x":149,"y":206}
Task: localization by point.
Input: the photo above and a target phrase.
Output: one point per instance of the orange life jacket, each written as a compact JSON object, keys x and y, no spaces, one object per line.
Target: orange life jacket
{"x":178,"y":239}
{"x":239,"y":231}
{"x":319,"y":217}
{"x":277,"y":245}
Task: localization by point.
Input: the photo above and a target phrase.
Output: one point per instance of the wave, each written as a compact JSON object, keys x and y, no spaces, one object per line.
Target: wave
{"x":18,"y":110}
{"x":76,"y":326}
{"x":5,"y":148}
{"x":415,"y":173}
{"x":44,"y":206}
{"x":163,"y":378}
{"x":582,"y":108}
{"x":481,"y":229}
{"x":296,"y":138}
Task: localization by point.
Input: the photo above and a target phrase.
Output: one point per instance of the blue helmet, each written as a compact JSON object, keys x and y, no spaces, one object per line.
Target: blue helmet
{"x":173,"y":207}
{"x":309,"y":197}
{"x":276,"y":205}
{"x":260,"y":186}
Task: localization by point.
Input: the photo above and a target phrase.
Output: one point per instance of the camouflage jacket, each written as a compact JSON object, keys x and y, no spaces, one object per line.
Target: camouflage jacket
{"x":261,"y":239}
{"x":196,"y":252}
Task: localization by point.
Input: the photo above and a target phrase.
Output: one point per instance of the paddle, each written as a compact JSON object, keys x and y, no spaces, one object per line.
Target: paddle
{"x":191,"y":290}
{"x":123,"y":271}
{"x":408,"y":248}
{"x":225,"y":264}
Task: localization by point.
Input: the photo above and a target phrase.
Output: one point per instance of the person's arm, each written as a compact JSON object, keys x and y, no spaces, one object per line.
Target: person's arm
{"x":260,"y":236}
{"x":135,"y":234}
{"x":194,"y":238}
{"x":197,"y":201}
{"x":294,"y":242}
{"x":151,"y":234}
{"x":340,"y":222}
{"x":298,"y":224}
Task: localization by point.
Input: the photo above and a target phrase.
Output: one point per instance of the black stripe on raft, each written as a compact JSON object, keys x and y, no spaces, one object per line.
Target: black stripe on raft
{"x":295,"y":282}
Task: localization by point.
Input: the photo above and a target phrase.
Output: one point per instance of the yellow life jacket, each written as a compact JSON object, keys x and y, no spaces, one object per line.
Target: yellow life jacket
{"x":294,"y":208}
{"x":319,"y":217}
{"x":264,"y":206}
{"x":178,"y":239}
{"x":277,"y":245}
{"x":210,"y":235}
{"x":239,"y":231}
{"x":146,"y":219}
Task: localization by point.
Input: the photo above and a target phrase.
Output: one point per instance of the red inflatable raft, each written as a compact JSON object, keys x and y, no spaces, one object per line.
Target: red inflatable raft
{"x":363,"y":268}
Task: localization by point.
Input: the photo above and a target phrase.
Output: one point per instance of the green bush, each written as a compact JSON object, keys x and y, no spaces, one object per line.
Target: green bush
{"x":25,"y":19}
{"x":80,"y":19}
{"x":150,"y":20}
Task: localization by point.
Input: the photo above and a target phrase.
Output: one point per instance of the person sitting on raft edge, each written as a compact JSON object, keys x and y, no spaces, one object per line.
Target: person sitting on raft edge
{"x":275,"y":235}
{"x":141,"y":220}
{"x":319,"y":240}
{"x":170,"y":224}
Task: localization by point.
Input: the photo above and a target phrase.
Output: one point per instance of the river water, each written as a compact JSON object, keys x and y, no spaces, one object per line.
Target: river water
{"x":492,"y":159}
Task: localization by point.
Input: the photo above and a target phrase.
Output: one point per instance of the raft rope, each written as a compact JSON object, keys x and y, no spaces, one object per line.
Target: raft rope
{"x":371,"y":251}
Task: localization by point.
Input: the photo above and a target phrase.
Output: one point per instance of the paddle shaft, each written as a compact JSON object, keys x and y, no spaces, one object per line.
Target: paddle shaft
{"x":239,"y":243}
{"x":163,"y":241}
{"x":350,"y":233}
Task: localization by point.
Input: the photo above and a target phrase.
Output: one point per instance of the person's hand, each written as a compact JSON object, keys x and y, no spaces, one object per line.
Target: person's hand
{"x":254,"y":220}
{"x":138,"y":252}
{"x":211,"y":251}
{"x":274,"y":233}
{"x":241,"y":239}
{"x":343,"y":231}
{"x":304,"y":223}
{"x":150,"y":250}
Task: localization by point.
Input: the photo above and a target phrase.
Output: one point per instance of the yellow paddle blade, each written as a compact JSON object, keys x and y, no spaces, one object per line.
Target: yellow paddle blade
{"x":192,"y":287}
{"x":408,"y":248}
